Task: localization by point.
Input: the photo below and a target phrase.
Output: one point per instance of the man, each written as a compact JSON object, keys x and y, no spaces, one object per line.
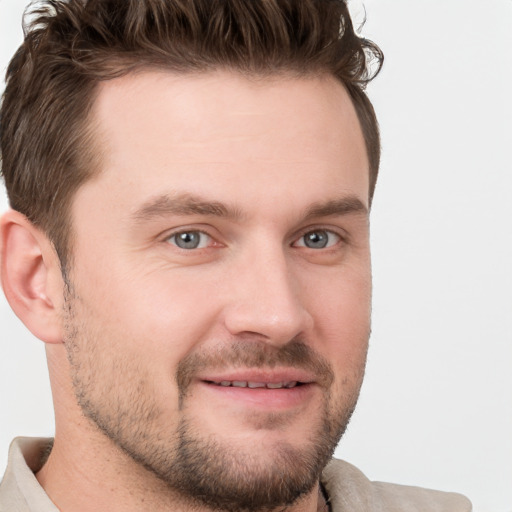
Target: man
{"x":190,"y":185}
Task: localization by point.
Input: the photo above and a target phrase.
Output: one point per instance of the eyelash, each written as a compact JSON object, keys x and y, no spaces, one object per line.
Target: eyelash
{"x":173,"y":236}
{"x":331,"y":233}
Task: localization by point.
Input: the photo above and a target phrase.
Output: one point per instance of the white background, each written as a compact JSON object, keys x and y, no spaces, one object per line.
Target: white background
{"x":436,"y":407}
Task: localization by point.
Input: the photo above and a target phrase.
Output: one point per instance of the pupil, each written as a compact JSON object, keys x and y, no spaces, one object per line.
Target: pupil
{"x":316,"y":239}
{"x":187,"y":240}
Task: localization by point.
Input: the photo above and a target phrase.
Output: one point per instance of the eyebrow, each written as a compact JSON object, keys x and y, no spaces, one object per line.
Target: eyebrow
{"x":181,"y":205}
{"x":188,"y":204}
{"x":336,"y":207}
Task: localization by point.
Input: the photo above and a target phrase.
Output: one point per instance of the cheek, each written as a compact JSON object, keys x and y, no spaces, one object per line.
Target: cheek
{"x":342,"y":299}
{"x":158,"y":317}
{"x":342,"y":320}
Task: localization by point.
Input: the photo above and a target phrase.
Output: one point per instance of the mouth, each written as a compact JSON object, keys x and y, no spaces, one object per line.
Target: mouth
{"x":266,"y":390}
{"x":253,"y":378}
{"x":256,"y":385}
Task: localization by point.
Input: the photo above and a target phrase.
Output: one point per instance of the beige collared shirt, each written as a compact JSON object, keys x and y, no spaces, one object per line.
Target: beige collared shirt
{"x":348,"y":489}
{"x":20,"y":491}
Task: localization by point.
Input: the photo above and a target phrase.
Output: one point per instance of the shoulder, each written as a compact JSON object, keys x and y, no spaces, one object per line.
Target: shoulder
{"x":349,"y":489}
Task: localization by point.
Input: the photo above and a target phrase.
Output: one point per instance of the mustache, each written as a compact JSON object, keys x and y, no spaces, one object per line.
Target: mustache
{"x":254,"y":354}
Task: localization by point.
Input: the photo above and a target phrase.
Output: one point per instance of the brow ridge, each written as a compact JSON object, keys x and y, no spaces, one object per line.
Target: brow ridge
{"x":336,"y":207}
{"x":183,"y":204}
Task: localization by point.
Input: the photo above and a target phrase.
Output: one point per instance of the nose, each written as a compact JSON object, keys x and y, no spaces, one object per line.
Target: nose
{"x":266,"y":301}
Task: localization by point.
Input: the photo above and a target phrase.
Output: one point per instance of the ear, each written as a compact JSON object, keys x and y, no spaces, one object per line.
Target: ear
{"x":31,"y":277}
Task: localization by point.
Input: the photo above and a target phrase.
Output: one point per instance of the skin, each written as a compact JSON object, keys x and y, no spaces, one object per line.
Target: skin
{"x":278,"y":159}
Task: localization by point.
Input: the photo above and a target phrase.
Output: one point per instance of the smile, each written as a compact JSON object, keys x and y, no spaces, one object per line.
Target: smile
{"x":255,"y":385}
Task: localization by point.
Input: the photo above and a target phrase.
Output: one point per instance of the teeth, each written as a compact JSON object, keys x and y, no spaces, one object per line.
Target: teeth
{"x":275,"y":385}
{"x":254,"y":385}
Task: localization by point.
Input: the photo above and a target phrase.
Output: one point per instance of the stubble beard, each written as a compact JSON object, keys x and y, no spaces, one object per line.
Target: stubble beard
{"x":204,"y":470}
{"x":224,"y":478}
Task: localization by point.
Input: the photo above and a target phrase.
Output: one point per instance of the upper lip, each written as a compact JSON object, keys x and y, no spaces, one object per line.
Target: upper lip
{"x":269,"y":376}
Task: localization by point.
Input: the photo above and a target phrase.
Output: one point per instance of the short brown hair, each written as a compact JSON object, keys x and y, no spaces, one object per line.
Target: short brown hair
{"x":46,"y":137}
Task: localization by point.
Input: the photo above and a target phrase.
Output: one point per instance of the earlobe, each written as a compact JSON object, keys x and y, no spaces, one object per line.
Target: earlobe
{"x":29,"y":269}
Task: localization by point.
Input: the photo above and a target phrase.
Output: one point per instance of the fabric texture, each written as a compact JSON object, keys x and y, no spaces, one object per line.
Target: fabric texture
{"x":348,"y":489}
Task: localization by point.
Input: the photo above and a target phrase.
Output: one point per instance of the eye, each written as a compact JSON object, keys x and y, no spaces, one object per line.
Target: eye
{"x":318,"y":239}
{"x":190,"y":240}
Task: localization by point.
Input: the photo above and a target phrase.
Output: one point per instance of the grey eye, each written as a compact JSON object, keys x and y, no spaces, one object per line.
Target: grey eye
{"x":190,"y":240}
{"x":316,"y":239}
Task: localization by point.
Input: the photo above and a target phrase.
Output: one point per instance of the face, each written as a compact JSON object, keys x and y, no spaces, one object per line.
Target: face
{"x":218,"y":313}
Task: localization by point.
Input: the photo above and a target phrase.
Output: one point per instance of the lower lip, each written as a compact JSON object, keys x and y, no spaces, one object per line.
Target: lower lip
{"x":264,"y":398}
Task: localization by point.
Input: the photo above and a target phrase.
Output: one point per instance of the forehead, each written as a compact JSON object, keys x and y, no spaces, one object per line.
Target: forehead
{"x":228,"y":134}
